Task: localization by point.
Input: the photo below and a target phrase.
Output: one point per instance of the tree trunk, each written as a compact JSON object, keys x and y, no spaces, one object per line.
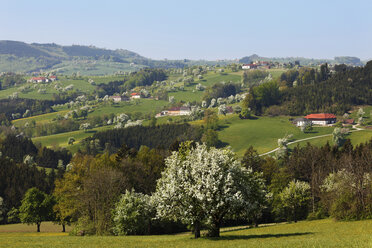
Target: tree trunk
{"x":38,"y":227}
{"x":294,"y":215}
{"x":63,"y":228}
{"x":214,"y":230}
{"x":197,"y":229}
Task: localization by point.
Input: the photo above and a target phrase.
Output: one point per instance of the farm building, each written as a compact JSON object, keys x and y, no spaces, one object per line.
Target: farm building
{"x":39,"y":80}
{"x":321,"y":119}
{"x":135,"y":95}
{"x":176,"y":111}
{"x":249,"y":66}
{"x":53,"y":78}
{"x":119,"y":98}
{"x":349,"y":122}
{"x":300,"y":122}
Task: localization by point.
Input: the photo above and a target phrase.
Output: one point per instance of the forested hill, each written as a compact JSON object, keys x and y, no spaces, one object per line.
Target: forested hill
{"x":347,"y":88}
{"x":52,"y":50}
{"x":304,"y":61}
{"x":16,"y":56}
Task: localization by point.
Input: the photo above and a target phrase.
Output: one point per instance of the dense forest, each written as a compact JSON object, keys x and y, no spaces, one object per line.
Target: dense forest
{"x":20,"y":105}
{"x":161,"y":137}
{"x":307,"y":91}
{"x":18,"y":148}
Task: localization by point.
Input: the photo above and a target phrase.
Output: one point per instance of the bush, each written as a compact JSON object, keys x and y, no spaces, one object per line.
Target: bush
{"x":132,"y":214}
{"x":245,"y":114}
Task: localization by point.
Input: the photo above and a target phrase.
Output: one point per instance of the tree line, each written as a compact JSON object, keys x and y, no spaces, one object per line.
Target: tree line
{"x":152,"y":191}
{"x":304,"y":91}
{"x":23,"y":150}
{"x":160,"y":136}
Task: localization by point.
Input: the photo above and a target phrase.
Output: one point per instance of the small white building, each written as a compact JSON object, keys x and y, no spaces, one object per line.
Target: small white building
{"x":176,"y":111}
{"x":300,"y":122}
{"x":249,"y":66}
{"x":116,"y":98}
{"x":135,"y":95}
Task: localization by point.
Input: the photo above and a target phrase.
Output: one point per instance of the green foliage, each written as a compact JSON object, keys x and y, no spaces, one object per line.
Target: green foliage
{"x":294,"y":196}
{"x":161,"y":136}
{"x":36,"y":207}
{"x":253,"y":77}
{"x":222,"y":90}
{"x":145,"y":77}
{"x":2,"y":209}
{"x":339,"y":136}
{"x":211,"y":119}
{"x":132,"y":214}
{"x":13,"y":216}
{"x":245,"y":114}
{"x":210,"y":138}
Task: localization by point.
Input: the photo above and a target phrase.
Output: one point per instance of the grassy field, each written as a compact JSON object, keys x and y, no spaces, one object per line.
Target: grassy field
{"x":79,"y":84}
{"x":61,"y":139}
{"x":320,"y":233}
{"x":355,"y":137}
{"x":261,"y":133}
{"x":39,"y":119}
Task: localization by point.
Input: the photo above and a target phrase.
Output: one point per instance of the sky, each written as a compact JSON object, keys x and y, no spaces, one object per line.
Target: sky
{"x":201,"y":29}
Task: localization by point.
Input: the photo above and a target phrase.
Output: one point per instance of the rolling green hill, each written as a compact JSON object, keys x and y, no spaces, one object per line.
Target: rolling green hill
{"x":16,"y":56}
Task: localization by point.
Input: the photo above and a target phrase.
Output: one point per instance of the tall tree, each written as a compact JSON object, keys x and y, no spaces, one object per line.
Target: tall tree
{"x":204,"y":185}
{"x":36,"y":207}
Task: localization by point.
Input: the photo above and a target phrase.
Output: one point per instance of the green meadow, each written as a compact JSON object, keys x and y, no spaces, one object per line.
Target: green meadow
{"x":318,"y":233}
{"x":262,"y":133}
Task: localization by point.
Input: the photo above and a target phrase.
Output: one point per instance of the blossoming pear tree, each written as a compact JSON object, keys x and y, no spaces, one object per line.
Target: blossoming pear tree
{"x":202,"y":185}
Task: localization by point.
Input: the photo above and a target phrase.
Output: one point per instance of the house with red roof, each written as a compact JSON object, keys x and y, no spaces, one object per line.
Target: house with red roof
{"x":53,"y":78}
{"x":39,"y":79}
{"x":249,"y":66}
{"x":321,"y":119}
{"x":175,"y":111}
{"x":135,"y":95}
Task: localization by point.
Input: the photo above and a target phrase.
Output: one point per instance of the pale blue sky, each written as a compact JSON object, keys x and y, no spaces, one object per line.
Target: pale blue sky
{"x":197,"y":29}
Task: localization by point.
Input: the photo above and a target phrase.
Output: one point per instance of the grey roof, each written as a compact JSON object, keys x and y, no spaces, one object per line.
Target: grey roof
{"x":300,"y":119}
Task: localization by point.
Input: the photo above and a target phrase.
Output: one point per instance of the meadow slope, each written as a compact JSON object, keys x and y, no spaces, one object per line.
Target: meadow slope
{"x":319,"y":233}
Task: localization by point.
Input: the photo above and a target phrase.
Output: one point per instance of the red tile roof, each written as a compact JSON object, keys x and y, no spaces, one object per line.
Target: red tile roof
{"x":321,"y":116}
{"x":135,"y":94}
{"x":38,"y":78}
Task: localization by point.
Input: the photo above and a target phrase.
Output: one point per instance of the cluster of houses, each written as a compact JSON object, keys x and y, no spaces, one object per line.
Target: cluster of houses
{"x":43,"y":79}
{"x":322,"y":119}
{"x":178,"y":111}
{"x":125,"y":98}
{"x":257,"y":65}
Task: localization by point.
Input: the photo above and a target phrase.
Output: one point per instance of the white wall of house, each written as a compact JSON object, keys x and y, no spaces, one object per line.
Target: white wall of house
{"x":323,"y":122}
{"x":300,"y":123}
{"x":185,"y":112}
{"x":116,"y":99}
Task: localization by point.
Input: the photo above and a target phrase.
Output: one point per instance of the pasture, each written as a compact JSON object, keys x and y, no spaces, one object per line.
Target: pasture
{"x":261,"y":133}
{"x":318,"y":233}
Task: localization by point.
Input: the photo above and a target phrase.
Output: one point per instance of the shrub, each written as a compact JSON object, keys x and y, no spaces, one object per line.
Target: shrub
{"x":132,"y":214}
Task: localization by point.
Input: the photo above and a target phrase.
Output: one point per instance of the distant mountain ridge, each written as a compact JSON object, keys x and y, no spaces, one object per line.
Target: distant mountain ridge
{"x":23,"y":49}
{"x":305,"y":61}
{"x":17,"y":56}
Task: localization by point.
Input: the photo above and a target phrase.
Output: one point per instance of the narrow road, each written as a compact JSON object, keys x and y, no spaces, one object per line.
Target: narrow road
{"x":310,"y":138}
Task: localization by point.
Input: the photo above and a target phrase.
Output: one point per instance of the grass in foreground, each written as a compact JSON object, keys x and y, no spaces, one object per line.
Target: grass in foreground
{"x":320,"y":233}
